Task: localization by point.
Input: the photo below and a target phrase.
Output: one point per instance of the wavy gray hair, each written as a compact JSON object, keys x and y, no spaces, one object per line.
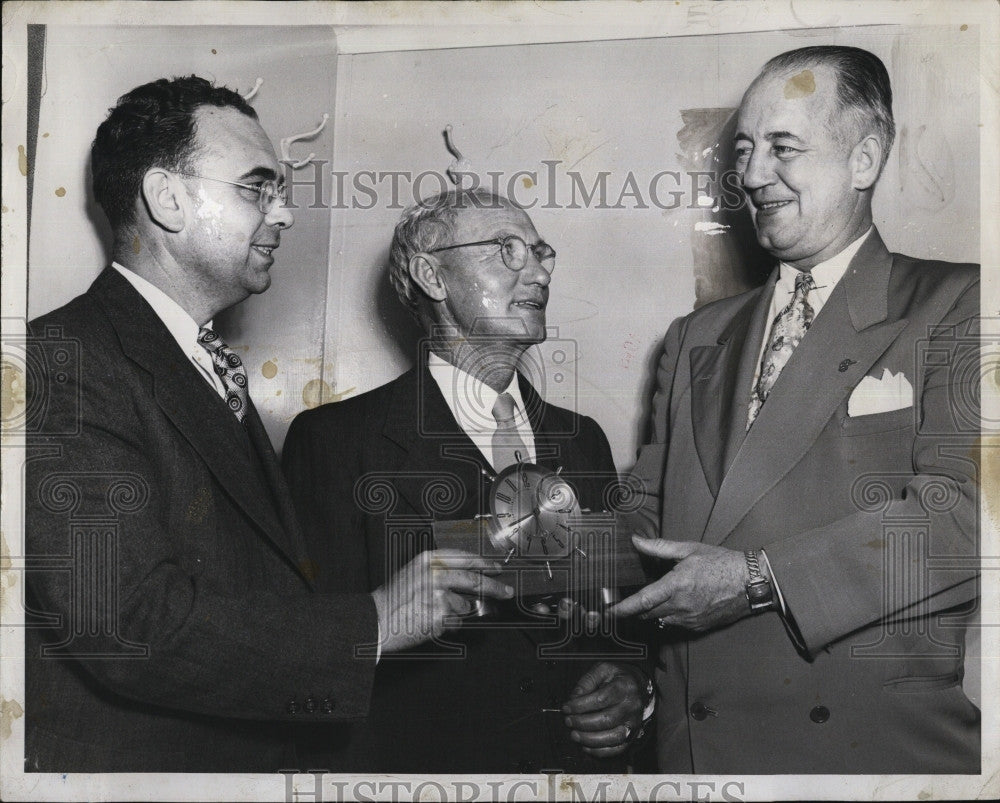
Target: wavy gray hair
{"x":427,"y":225}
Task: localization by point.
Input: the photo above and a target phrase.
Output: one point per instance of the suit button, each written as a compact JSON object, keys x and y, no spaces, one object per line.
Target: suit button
{"x":327,"y":705}
{"x":293,"y":706}
{"x":310,"y":705}
{"x":526,"y":685}
{"x":700,"y":711}
{"x":819,"y":714}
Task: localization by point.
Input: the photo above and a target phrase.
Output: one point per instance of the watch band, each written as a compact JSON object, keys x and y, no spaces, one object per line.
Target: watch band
{"x":760,"y":594}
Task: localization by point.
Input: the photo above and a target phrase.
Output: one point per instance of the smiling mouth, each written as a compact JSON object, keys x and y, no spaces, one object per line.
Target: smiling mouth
{"x":266,"y":250}
{"x":771,"y":206}
{"x":538,"y":305}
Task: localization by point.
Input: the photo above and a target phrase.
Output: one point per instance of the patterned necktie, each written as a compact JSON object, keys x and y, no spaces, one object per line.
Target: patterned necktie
{"x":788,"y":328}
{"x":229,"y":368}
{"x":506,"y":440}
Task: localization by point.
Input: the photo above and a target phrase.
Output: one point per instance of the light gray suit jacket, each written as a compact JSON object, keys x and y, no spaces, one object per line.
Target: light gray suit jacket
{"x":869,"y":522}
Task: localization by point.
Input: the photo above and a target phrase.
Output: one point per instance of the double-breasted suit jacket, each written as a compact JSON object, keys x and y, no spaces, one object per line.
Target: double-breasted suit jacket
{"x":869,"y":523}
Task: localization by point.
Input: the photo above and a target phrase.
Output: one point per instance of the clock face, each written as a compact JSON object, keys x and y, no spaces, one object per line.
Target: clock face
{"x":531,"y":510}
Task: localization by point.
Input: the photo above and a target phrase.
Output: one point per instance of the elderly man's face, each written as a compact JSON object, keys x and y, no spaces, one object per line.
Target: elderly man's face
{"x":485,"y":297}
{"x":794,"y":151}
{"x":229,"y":243}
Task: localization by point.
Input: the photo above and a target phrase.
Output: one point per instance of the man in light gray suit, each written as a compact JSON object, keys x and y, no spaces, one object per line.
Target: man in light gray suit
{"x":813,"y":473}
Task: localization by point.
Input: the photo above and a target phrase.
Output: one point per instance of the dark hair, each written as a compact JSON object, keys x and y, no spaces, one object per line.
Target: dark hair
{"x":151,"y":126}
{"x":863,"y":88}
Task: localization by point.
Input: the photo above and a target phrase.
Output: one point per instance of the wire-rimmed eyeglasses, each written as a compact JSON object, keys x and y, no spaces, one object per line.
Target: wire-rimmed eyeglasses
{"x":268,"y":191}
{"x":514,"y":251}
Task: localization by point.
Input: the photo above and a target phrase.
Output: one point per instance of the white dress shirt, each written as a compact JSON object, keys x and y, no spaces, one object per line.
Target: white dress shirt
{"x":471,"y":403}
{"x":181,"y":326}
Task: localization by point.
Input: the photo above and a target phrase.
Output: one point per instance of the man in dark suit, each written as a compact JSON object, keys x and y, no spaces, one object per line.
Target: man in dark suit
{"x":814,"y":468}
{"x":473,"y":270}
{"x":173,"y":623}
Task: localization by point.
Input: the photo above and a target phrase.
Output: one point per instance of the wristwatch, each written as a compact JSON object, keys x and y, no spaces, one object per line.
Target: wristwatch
{"x":760,"y":594}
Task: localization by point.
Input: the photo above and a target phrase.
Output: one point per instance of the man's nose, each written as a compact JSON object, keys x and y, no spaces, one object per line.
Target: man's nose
{"x":758,"y":171}
{"x":280,"y":216}
{"x":534,"y":272}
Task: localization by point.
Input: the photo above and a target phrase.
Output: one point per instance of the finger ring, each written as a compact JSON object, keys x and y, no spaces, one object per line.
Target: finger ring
{"x":628,"y":733}
{"x":661,"y":623}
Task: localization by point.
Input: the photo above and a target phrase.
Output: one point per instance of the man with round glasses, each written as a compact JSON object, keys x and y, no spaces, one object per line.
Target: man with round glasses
{"x":203,"y":644}
{"x":476,"y":275}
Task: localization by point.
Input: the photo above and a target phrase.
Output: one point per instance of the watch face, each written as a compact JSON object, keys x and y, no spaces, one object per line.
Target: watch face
{"x":759,"y":595}
{"x":531,"y":510}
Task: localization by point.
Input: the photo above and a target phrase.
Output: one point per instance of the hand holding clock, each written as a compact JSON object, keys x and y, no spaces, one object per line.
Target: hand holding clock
{"x":706,"y":587}
{"x":414,"y":604}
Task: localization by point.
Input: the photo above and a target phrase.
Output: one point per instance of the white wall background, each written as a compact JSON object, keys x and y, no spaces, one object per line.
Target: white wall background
{"x":86,"y":70}
{"x":330,"y":326}
{"x":621,"y":275}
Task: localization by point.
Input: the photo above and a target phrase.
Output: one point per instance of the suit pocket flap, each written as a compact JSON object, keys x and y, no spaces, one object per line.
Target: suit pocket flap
{"x":878,"y":422}
{"x":923,"y":683}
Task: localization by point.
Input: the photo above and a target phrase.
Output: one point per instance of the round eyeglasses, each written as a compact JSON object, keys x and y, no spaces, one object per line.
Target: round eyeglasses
{"x":268,"y":191}
{"x":514,"y":251}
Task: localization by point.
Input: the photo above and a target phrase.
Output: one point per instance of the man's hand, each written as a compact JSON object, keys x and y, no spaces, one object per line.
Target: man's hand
{"x":705,"y":589}
{"x":413,"y":605}
{"x":605,"y":709}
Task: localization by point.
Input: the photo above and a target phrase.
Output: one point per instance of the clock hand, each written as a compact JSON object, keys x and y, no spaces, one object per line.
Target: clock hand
{"x":508,"y":530}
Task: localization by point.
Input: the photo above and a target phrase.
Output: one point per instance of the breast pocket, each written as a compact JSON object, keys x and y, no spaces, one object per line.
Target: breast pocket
{"x":878,"y":422}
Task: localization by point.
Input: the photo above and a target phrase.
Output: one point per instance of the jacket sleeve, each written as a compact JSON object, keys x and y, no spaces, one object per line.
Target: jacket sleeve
{"x":871,"y":565}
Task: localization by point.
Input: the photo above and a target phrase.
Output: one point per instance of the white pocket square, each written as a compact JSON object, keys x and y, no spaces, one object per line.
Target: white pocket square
{"x":891,"y":392}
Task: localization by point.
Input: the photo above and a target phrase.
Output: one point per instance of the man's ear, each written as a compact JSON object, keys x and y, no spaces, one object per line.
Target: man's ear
{"x":866,"y":161}
{"x":425,"y":272}
{"x":160,"y":193}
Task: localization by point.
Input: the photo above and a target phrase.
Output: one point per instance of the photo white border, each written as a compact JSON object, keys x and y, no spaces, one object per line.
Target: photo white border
{"x":372,"y":27}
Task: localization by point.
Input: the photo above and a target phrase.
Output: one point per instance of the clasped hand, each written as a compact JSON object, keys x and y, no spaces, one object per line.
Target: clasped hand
{"x":605,"y":709}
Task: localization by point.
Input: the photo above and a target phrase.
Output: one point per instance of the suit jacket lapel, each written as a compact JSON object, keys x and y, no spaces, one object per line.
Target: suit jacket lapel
{"x":421,"y":424}
{"x":193,"y":406}
{"x":292,"y":545}
{"x":852,"y":331}
{"x":718,"y":407}
{"x":550,"y":446}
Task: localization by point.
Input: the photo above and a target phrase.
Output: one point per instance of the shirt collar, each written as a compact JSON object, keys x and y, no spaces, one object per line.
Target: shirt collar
{"x":470,"y":400}
{"x":180,"y":325}
{"x":825,"y":274}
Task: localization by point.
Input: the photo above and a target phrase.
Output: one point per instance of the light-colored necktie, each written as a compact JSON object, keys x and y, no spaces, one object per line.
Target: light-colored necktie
{"x":788,"y":328}
{"x":506,"y":441}
{"x":229,"y":368}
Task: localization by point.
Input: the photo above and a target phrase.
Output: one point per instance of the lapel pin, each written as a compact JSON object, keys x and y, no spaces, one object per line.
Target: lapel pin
{"x":845,"y":364}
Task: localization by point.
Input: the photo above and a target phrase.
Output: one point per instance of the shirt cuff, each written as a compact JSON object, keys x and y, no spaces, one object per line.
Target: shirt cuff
{"x":783,"y":612}
{"x":774,"y":582}
{"x":647,"y":712}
